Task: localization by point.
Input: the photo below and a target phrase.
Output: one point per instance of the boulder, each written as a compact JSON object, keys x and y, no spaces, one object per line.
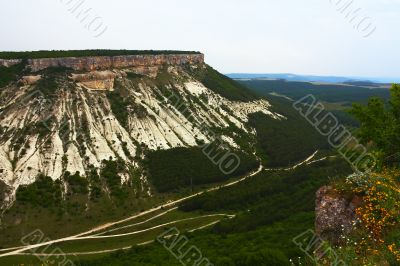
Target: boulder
{"x":335,"y":214}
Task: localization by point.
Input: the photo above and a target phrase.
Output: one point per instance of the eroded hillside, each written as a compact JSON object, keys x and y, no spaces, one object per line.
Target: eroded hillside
{"x":59,"y":120}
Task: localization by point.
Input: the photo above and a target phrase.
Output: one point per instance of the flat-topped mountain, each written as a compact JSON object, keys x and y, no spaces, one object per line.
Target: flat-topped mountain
{"x":75,"y":115}
{"x":97,"y":60}
{"x":87,"y":53}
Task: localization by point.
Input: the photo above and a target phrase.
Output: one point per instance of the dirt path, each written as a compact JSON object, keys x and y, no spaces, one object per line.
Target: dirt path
{"x":89,"y":234}
{"x":139,"y":223}
{"x":306,"y":161}
{"x":111,"y":250}
{"x":20,"y":250}
{"x":151,"y":228}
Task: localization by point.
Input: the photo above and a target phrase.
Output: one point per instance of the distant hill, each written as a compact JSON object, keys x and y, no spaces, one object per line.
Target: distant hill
{"x":312,"y":78}
{"x":343,"y":93}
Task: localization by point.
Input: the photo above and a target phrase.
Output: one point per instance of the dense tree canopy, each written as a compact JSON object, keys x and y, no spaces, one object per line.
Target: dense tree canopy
{"x":182,"y":167}
{"x":8,"y":74}
{"x":380,"y":125}
{"x":332,"y":93}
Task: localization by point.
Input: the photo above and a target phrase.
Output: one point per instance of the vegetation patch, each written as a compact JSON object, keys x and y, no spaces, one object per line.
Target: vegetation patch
{"x":9,"y":74}
{"x":123,"y":105}
{"x":44,"y":193}
{"x":76,"y":183}
{"x":3,"y":189}
{"x":182,"y":167}
{"x":375,"y":236}
{"x":110,"y":172}
{"x":271,"y":208}
{"x":51,"y":80}
{"x":118,"y":107}
{"x":333,"y":93}
{"x":287,"y":141}
{"x":223,"y":85}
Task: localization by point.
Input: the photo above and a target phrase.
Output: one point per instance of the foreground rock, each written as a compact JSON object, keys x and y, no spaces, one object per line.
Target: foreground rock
{"x":335,"y":214}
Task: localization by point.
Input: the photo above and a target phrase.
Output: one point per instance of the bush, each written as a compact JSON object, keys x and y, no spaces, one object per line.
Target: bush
{"x":110,"y":173}
{"x":76,"y":183}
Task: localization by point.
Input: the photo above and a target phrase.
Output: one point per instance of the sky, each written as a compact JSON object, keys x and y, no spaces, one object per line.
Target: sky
{"x":320,"y":37}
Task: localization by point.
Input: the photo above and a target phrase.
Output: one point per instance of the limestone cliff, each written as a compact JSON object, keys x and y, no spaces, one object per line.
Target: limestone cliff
{"x":107,"y":62}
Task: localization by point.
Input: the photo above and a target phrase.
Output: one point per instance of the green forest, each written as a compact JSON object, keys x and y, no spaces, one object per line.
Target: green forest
{"x":287,"y":141}
{"x":182,"y":167}
{"x":333,"y":93}
{"x":9,"y":74}
{"x":272,"y":208}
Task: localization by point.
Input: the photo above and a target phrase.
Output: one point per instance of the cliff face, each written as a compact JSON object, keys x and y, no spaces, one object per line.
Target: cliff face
{"x":97,"y":80}
{"x":9,"y":62}
{"x":108,"y":62}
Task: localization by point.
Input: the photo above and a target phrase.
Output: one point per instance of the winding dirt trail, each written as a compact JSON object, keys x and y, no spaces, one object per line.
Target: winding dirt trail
{"x":151,"y":228}
{"x":91,"y":234}
{"x":306,"y":161}
{"x":19,"y":250}
{"x":112,"y":250}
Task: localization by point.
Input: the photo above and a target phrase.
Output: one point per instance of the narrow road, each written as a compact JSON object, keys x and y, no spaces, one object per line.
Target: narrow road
{"x":151,"y":228}
{"x":89,"y":234}
{"x":139,"y":223}
{"x":111,"y":250}
{"x":306,"y":161}
{"x":20,"y":250}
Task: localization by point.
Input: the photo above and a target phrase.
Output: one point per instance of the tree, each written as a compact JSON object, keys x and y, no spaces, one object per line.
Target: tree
{"x":380,"y":125}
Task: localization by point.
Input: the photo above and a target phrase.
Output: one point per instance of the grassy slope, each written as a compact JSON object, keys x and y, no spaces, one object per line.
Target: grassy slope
{"x":223,"y":85}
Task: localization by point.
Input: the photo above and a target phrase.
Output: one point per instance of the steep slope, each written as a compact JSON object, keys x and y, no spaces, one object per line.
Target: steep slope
{"x":59,"y":119}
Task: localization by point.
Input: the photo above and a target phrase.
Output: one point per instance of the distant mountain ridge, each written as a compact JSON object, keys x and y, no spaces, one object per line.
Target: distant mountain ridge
{"x":312,"y":78}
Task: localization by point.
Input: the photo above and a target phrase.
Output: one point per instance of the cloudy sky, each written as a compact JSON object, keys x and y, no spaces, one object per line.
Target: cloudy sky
{"x":323,"y":37}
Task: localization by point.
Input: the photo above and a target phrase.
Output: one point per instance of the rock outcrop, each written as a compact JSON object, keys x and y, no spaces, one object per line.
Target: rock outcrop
{"x":30,"y":80}
{"x":335,"y":214}
{"x":9,"y":62}
{"x":108,"y":62}
{"x":96,"y":80}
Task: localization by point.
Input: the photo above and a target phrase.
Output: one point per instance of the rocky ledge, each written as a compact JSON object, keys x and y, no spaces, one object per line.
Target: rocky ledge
{"x":107,"y":62}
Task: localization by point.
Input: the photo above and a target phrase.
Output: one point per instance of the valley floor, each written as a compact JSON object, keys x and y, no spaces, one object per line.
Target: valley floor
{"x":139,"y":229}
